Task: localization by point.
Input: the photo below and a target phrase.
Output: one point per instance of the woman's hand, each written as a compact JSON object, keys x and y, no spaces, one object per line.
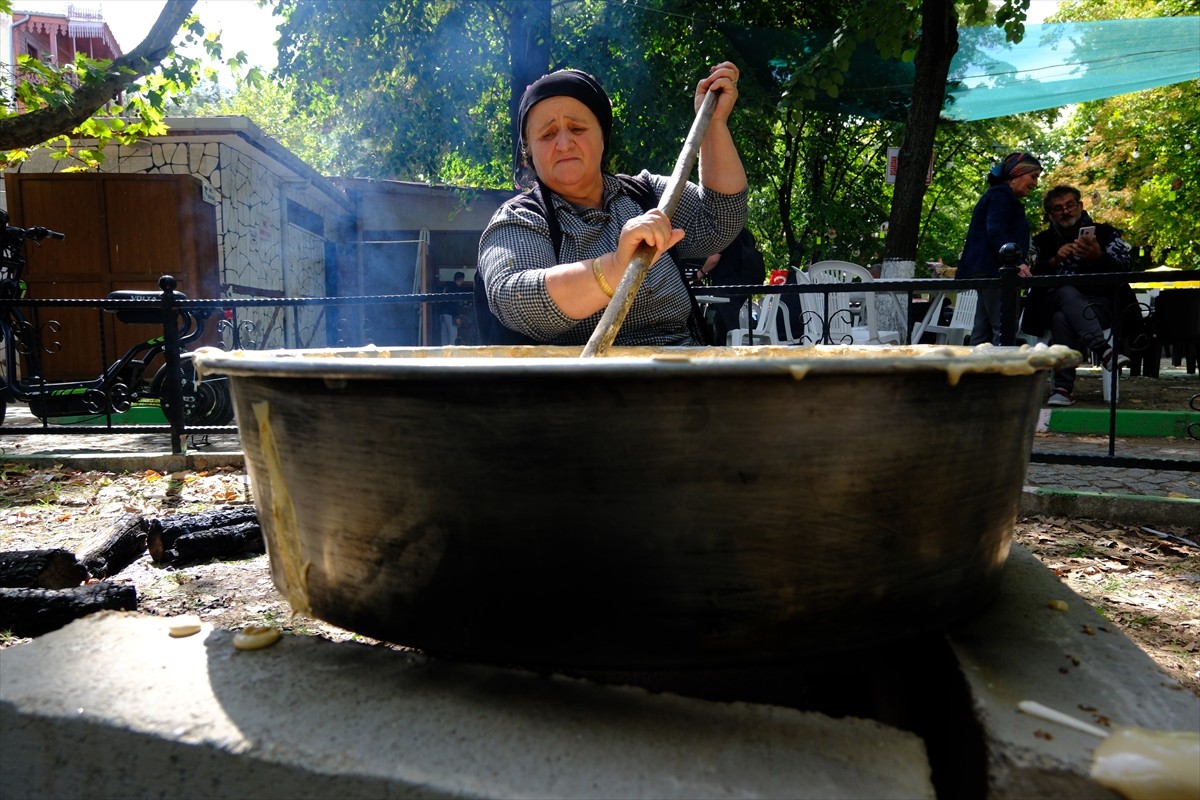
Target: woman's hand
{"x":723,"y":79}
{"x":653,"y":229}
{"x":576,"y":288}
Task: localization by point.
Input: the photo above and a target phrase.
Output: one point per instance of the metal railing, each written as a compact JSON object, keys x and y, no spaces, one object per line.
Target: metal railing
{"x":1012,"y":287}
{"x":352,"y":320}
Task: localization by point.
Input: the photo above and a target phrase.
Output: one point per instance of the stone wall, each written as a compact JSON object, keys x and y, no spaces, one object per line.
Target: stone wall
{"x":262,"y":253}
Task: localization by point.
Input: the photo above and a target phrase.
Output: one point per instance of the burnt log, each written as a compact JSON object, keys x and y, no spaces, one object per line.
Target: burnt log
{"x":162,"y":532}
{"x":32,"y":612}
{"x":40,"y":569}
{"x":116,"y":548}
{"x":227,"y":542}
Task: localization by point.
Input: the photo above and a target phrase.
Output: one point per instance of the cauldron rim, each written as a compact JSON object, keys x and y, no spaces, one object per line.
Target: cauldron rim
{"x":413,"y":363}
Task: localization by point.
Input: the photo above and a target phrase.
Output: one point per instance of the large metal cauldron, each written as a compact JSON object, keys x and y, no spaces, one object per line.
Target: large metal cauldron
{"x":700,"y":507}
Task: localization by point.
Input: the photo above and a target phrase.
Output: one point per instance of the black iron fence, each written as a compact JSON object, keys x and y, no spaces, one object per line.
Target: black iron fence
{"x":343,"y":322}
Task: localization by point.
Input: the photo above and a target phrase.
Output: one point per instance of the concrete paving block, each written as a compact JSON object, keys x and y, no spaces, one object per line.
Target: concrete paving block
{"x":1130,"y":509}
{"x":112,"y":706}
{"x":1073,"y":661}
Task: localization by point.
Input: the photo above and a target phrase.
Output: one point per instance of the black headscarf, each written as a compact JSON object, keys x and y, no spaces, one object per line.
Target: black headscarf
{"x":566,"y":83}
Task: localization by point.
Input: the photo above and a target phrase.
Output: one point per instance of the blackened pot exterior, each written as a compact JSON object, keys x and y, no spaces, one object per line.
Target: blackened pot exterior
{"x":770,"y":504}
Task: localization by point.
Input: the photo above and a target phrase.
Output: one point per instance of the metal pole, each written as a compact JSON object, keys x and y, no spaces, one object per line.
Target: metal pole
{"x":174,"y":383}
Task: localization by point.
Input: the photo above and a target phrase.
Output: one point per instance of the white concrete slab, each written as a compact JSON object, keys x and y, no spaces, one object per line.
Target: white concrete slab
{"x":1074,"y":661}
{"x":112,"y":706}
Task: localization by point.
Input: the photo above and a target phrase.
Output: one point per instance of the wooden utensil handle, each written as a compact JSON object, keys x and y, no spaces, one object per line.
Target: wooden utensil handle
{"x":610,"y":322}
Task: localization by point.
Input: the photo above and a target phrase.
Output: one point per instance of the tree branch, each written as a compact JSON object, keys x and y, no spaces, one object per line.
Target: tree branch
{"x":35,"y":127}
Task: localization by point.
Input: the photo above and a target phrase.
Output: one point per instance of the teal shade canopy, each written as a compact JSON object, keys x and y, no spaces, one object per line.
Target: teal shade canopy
{"x":1054,"y":65}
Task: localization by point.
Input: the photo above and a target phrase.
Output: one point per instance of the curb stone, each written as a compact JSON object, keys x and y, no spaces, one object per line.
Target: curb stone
{"x":1131,"y":509}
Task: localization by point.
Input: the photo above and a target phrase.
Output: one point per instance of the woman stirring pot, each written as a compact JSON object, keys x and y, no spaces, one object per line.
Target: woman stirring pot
{"x":550,"y":259}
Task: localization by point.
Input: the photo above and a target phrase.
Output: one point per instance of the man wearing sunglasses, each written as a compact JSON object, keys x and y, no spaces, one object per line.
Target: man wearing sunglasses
{"x":1077,"y":314}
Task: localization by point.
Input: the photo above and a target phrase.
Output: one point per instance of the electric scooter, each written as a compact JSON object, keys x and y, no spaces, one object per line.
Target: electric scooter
{"x":204,"y":403}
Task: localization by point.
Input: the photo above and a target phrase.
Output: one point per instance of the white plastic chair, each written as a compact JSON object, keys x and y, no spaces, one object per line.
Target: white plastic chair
{"x":843,"y":327}
{"x":961,"y":321}
{"x":766,"y":328}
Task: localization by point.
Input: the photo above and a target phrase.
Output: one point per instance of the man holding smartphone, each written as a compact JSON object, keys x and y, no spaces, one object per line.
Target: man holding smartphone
{"x":1077,"y":314}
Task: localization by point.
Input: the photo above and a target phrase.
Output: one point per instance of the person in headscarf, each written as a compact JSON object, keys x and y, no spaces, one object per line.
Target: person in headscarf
{"x":549,"y":260}
{"x":1078,"y":314}
{"x":998,"y":219}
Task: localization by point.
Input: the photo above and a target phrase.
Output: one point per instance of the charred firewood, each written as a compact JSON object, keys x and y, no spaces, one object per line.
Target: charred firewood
{"x":113,"y":550}
{"x":162,"y":532}
{"x":40,"y":569}
{"x":226,"y":542}
{"x":32,"y":612}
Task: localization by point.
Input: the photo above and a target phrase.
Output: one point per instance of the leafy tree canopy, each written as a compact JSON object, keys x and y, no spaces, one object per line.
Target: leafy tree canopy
{"x":104,"y":101}
{"x":1136,"y":157}
{"x":422,"y":90}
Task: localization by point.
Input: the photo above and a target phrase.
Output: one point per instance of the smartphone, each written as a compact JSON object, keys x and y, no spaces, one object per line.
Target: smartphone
{"x":1087,"y":232}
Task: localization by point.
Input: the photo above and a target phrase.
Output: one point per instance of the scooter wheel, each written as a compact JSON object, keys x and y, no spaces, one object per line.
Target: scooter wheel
{"x":206,"y":402}
{"x":212,"y":404}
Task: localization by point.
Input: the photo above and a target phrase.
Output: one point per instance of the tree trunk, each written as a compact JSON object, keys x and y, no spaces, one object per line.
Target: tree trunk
{"x":32,"y":612}
{"x":529,"y":54}
{"x":40,"y":569}
{"x":162,"y":533}
{"x":116,"y":548}
{"x":787,"y":182}
{"x":939,"y":43}
{"x":34,"y":127}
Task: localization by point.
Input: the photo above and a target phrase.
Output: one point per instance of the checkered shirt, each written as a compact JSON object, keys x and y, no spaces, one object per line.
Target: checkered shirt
{"x":515,"y":251}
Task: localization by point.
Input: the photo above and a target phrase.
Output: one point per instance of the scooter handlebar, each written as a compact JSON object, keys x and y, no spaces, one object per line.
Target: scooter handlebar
{"x":37,"y":233}
{"x":14,"y":234}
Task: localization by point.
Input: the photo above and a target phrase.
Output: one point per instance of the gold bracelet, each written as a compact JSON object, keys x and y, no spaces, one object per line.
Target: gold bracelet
{"x":600,"y":279}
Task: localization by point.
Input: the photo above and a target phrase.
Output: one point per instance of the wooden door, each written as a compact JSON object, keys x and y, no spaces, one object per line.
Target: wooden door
{"x":122,"y":232}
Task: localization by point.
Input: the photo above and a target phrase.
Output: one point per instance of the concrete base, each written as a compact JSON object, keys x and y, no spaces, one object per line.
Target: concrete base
{"x":111,"y":706}
{"x":1074,"y":661}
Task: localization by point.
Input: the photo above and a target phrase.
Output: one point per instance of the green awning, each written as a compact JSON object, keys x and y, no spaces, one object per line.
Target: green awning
{"x":1054,"y":65}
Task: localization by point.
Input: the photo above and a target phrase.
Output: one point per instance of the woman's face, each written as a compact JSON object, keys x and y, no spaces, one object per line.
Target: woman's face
{"x":1022,"y":185}
{"x":566,"y":144}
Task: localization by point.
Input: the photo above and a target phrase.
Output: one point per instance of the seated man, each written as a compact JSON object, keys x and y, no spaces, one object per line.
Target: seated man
{"x":1077,"y":315}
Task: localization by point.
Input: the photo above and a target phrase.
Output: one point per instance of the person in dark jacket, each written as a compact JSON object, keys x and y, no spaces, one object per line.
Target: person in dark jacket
{"x":739,"y":264}
{"x":998,"y":219}
{"x":1077,"y":315}
{"x":450,"y":312}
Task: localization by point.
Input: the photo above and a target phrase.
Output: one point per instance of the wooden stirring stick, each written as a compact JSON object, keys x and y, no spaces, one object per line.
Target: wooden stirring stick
{"x":610,"y":322}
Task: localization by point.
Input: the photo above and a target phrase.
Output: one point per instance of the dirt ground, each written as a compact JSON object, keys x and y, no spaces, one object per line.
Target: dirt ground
{"x":1145,"y":581}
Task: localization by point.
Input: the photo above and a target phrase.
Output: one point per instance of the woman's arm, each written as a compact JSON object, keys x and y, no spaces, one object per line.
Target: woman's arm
{"x":581,"y":288}
{"x":532,"y":294}
{"x":720,"y":165}
{"x":1005,"y":216}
